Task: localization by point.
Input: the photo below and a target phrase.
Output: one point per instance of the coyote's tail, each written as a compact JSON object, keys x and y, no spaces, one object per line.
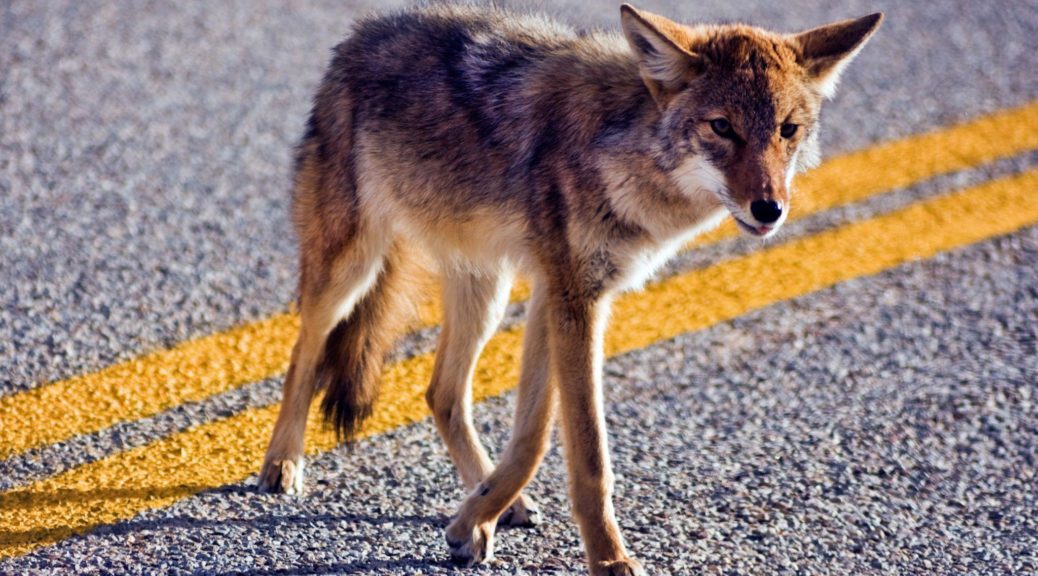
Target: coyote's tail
{"x":351,"y":366}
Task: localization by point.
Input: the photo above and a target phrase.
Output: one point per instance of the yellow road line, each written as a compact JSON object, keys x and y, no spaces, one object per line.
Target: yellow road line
{"x":197,"y":369}
{"x":226,"y":451}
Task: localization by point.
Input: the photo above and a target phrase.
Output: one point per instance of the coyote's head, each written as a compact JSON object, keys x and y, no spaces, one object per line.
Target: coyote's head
{"x":740,"y":105}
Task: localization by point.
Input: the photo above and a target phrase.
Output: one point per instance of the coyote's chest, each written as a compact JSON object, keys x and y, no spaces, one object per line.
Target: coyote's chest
{"x":637,"y":263}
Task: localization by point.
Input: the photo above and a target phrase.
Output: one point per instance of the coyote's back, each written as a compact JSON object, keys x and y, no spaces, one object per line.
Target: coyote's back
{"x":454,"y":110}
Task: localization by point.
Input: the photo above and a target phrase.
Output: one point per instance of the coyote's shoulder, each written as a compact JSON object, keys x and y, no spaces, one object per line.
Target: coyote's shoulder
{"x":488,"y":143}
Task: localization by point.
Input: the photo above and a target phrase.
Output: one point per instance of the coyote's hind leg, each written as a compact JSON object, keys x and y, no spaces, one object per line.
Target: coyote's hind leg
{"x":320,"y":311}
{"x":470,"y":535}
{"x":330,"y":290}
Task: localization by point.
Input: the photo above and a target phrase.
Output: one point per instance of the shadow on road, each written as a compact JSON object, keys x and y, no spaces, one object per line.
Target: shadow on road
{"x":31,"y":501}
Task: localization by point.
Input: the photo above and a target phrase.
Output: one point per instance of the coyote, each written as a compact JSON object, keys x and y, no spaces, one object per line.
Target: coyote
{"x":486,"y":144}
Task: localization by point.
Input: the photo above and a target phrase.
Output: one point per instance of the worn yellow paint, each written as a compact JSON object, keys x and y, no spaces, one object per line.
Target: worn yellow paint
{"x":200,"y":368}
{"x":225,"y":451}
{"x":146,"y":385}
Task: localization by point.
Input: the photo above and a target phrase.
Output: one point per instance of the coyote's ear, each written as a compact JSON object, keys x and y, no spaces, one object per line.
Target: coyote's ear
{"x":825,"y":51}
{"x":657,"y":43}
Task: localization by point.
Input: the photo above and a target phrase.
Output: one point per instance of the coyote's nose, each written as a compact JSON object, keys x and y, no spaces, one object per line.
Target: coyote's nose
{"x":766,"y":211}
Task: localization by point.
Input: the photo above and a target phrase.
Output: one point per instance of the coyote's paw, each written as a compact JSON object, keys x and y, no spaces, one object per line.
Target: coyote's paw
{"x":470,"y":546}
{"x":521,"y":514}
{"x":624,"y":567}
{"x":282,"y":476}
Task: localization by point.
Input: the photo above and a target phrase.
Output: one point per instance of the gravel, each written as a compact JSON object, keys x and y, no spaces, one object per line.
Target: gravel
{"x":886,"y":425}
{"x":871,"y":428}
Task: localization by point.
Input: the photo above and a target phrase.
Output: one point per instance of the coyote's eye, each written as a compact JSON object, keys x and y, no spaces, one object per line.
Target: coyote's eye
{"x":722,"y":127}
{"x":788,"y":130}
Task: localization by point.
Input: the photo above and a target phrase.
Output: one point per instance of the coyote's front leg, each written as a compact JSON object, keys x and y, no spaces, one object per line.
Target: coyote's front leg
{"x":576,"y":329}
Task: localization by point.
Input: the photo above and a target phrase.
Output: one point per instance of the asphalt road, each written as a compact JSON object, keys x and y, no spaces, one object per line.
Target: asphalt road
{"x":885,"y":425}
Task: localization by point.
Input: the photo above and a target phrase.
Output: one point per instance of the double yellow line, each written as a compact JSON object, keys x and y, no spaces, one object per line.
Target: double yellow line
{"x":225,"y":451}
{"x":195,"y":370}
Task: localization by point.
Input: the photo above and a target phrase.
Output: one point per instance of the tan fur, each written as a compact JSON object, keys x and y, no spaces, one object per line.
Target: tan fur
{"x":487,"y":143}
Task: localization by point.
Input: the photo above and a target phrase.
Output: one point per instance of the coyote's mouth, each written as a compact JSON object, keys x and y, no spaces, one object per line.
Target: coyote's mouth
{"x":762,"y":230}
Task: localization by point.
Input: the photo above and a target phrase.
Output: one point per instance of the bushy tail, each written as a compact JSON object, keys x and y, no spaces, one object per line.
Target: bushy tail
{"x":351,"y":367}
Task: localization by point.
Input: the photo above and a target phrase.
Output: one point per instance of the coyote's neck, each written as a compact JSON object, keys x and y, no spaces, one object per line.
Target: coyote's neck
{"x":650,"y":181}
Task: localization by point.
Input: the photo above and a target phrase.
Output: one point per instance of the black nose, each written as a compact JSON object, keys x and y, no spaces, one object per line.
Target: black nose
{"x":766,"y":211}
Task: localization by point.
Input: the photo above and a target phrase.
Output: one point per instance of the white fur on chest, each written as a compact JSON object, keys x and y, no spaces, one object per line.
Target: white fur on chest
{"x":639,"y":265}
{"x":699,"y":183}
